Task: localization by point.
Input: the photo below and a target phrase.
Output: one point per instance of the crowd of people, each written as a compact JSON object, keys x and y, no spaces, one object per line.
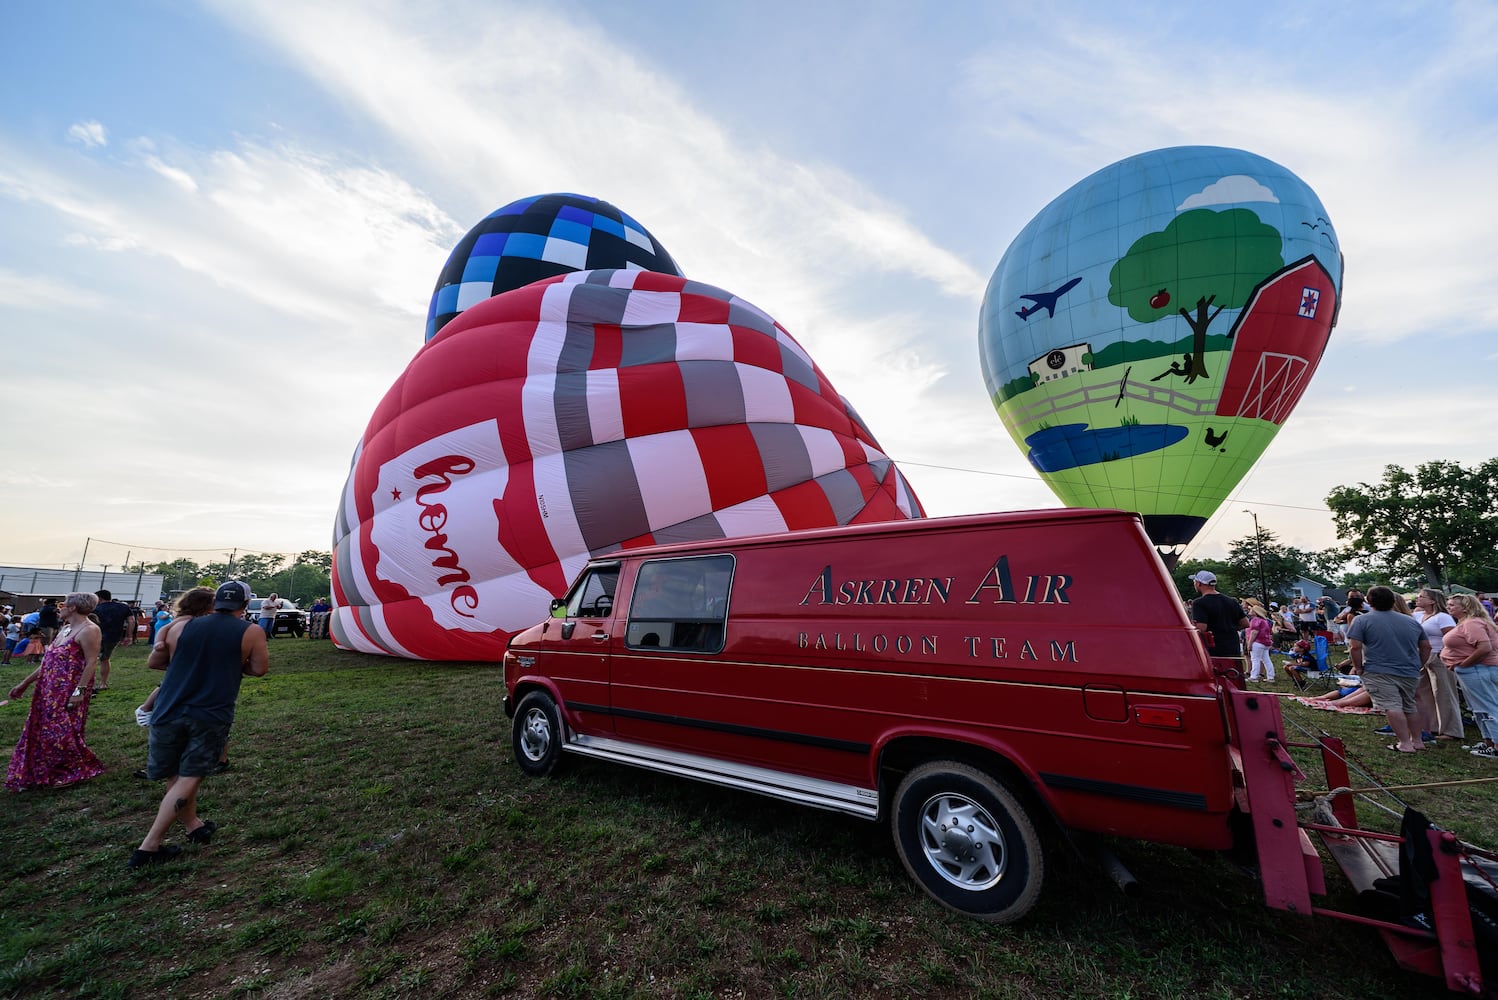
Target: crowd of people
{"x":205,"y":649}
{"x":1413,"y":664}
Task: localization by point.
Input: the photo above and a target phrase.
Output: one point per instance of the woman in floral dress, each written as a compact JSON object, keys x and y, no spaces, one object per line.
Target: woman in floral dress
{"x":51,"y":752}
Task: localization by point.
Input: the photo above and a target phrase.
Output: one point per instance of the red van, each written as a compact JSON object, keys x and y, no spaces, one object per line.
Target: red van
{"x":967,"y":678}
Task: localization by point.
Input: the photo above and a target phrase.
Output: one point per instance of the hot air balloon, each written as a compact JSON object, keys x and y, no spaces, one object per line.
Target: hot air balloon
{"x":1145,"y":336}
{"x":576,"y":416}
{"x":536,"y":238}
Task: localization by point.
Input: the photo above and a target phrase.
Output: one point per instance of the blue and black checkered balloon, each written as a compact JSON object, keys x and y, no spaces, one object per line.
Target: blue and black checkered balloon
{"x":536,"y":238}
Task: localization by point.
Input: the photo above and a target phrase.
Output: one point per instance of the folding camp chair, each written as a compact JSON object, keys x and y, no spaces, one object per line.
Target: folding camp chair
{"x":1323,"y":677}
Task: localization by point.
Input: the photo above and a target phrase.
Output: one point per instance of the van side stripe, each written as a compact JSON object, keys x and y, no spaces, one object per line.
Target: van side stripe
{"x":1137,"y":793}
{"x":800,"y":739}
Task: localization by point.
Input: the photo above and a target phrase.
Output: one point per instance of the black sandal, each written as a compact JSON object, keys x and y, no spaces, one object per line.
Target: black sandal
{"x":204,"y":833}
{"x":140,"y":858}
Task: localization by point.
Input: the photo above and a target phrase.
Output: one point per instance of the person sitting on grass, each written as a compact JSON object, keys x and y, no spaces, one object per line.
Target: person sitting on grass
{"x":34,"y":646}
{"x":1301,"y":663}
{"x":1343,"y":697}
{"x":1284,"y":626}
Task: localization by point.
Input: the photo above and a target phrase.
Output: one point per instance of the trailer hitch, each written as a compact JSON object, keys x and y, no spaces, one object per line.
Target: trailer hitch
{"x":1282,"y":756}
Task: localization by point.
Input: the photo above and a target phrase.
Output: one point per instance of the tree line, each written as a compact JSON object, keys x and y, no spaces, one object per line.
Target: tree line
{"x":1434,"y":527}
{"x":303,"y":576}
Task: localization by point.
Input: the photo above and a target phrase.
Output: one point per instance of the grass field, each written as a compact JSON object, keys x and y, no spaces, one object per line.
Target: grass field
{"x":377,"y":840}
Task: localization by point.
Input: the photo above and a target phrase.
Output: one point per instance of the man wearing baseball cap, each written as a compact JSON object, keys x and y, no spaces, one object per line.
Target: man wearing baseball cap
{"x":194,"y":710}
{"x":1218,"y":615}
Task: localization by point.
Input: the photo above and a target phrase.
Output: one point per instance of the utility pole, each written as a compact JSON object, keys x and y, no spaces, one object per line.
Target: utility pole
{"x":1259,"y":549}
{"x":79,"y":570}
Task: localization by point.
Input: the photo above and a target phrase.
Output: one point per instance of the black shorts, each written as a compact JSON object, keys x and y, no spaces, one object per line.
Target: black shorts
{"x":106,"y":646}
{"x":185,"y":747}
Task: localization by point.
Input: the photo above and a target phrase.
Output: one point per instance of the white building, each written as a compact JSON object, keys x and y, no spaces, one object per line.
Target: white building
{"x":1061,"y":362}
{"x":26,"y":586}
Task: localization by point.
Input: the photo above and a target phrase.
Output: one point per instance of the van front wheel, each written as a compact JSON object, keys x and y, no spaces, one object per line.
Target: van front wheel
{"x":537,"y":734}
{"x":968,"y":841}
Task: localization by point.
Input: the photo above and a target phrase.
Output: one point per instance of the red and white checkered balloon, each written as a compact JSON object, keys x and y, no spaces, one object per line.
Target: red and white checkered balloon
{"x":576,"y":416}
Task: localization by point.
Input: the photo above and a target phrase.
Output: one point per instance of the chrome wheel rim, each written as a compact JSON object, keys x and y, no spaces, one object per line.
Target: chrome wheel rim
{"x":962,"y":842}
{"x":535,"y":735}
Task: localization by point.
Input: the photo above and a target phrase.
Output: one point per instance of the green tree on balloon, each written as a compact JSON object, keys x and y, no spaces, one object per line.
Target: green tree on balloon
{"x":1200,"y":264}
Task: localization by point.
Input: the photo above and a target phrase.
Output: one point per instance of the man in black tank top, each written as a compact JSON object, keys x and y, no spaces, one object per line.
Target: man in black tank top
{"x":194,"y":709}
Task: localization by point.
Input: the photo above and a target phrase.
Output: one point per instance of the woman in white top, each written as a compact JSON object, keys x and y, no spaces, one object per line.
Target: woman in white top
{"x":1436,"y":698}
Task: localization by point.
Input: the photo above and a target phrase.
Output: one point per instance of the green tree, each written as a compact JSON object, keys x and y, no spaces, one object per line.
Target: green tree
{"x":179,"y":574}
{"x":1437,"y":522}
{"x":1323,"y":565}
{"x":1226,"y":581}
{"x":1200,"y":264}
{"x":308,"y":576}
{"x":1280,"y":565}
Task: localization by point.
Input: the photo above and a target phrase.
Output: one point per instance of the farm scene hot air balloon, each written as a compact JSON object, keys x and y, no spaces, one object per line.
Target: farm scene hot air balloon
{"x":1148,"y":332}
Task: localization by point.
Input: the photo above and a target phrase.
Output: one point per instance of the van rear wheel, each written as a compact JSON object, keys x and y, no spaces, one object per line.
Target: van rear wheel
{"x":537,"y":734}
{"x":968,"y":841}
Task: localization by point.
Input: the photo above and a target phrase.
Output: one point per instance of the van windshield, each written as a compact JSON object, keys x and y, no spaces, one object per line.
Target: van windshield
{"x":593,"y":597}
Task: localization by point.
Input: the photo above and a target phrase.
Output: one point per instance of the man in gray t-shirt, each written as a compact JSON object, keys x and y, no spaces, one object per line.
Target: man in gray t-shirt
{"x":1388,"y":649}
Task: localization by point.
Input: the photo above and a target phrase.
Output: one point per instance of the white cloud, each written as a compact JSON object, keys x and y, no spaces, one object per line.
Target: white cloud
{"x":176,"y":175}
{"x":40,"y":292}
{"x":499,"y":129}
{"x":91,"y":134}
{"x":286,"y":267}
{"x":1228,"y":191}
{"x":1398,"y":182}
{"x":109,"y":244}
{"x":301,"y":232}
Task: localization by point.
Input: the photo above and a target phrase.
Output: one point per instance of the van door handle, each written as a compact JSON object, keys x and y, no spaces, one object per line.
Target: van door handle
{"x":600,"y":636}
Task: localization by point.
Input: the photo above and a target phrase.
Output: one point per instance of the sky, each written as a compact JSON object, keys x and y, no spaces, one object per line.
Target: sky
{"x":221,"y":222}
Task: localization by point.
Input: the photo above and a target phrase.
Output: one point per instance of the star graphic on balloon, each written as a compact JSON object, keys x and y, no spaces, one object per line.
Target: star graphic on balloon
{"x":395,"y":493}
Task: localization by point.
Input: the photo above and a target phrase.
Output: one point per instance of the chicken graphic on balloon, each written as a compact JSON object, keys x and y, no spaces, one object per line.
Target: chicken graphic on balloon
{"x":576,"y":394}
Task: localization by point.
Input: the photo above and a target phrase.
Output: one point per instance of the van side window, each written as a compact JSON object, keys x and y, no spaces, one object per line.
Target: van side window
{"x":680,"y":604}
{"x":593,"y":597}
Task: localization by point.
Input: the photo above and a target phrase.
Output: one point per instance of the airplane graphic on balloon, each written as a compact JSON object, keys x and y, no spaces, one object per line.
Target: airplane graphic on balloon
{"x":576,"y":394}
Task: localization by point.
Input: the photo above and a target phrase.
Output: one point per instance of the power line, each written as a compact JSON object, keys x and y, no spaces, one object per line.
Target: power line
{"x":1133,"y":489}
{"x":218,"y":549}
